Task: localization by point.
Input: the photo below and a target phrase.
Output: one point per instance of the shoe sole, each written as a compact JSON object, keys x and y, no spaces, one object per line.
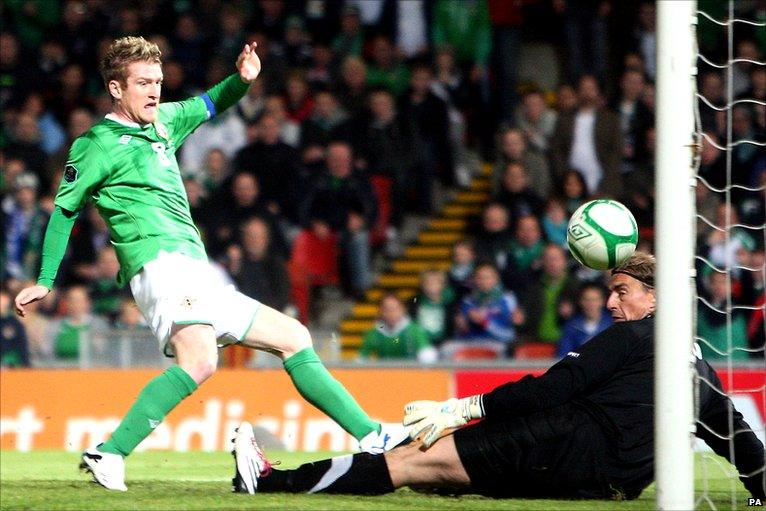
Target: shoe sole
{"x":246,"y":466}
{"x":86,"y":467}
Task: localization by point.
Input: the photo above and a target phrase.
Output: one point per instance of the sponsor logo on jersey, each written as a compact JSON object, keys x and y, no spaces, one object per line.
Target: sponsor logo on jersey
{"x":125,"y":139}
{"x":70,"y":173}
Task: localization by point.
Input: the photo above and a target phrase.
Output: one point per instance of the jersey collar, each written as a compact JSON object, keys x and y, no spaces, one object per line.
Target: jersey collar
{"x":129,"y":124}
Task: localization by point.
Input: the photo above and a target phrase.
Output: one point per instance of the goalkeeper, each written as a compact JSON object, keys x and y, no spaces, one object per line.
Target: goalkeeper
{"x":584,"y":429}
{"x":126,"y":166}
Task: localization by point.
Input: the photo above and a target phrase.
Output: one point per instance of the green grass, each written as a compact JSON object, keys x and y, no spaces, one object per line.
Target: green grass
{"x":169,"y":480}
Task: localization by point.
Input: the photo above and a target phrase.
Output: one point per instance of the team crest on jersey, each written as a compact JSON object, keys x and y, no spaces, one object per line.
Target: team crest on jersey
{"x":70,"y":173}
{"x":161,"y":130}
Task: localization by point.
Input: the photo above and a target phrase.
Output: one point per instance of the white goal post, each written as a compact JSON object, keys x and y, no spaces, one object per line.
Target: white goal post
{"x":674,"y":419}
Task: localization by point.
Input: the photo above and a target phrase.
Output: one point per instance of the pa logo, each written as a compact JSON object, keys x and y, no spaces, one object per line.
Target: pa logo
{"x":577,"y":232}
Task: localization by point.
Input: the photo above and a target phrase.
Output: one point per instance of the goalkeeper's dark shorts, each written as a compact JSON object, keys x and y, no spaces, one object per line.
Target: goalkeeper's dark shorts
{"x":558,"y":453}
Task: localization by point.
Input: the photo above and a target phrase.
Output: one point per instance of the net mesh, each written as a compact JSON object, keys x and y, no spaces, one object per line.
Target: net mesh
{"x":731,"y":273}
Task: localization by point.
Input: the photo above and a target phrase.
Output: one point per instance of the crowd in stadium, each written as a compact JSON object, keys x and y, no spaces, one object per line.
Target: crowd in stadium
{"x":403,"y":89}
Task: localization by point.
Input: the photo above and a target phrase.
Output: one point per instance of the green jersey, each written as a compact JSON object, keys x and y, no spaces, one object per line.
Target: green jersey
{"x":131,"y":174}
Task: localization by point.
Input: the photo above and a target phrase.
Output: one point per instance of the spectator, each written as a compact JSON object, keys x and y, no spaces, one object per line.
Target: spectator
{"x":584,"y":37}
{"x":433,"y":306}
{"x":385,"y":70}
{"x":555,"y":222}
{"x":289,"y":130}
{"x":517,"y":195}
{"x":488,"y":317}
{"x":353,"y":89}
{"x":715,"y":341}
{"x":174,"y":82}
{"x":87,"y":241}
{"x":646,"y":37}
{"x":450,"y":86}
{"x":525,"y":253}
{"x":198,"y":205}
{"x":298,"y":98}
{"x":104,"y":292}
{"x":493,"y":240}
{"x":230,"y":36}
{"x":461,"y":272}
{"x":536,"y":120}
{"x":296,"y":48}
{"x":214,"y":173}
{"x":188,"y":45}
{"x":635,"y":120}
{"x":226,"y":217}
{"x":25,"y":223}
{"x":320,"y":73}
{"x":711,"y":87}
{"x":551,"y":295}
{"x":256,"y":269}
{"x":591,"y":319}
{"x":343,"y":199}
{"x":566,"y":100}
{"x":464,"y":26}
{"x":387,"y":145}
{"x":327,"y":122}
{"x":15,"y":79}
{"x":723,"y":253}
{"x":130,"y":318}
{"x":52,"y":135}
{"x":270,"y":18}
{"x":589,"y":140}
{"x":431,"y":118}
{"x":78,"y":328}
{"x":513,"y":149}
{"x":507,"y":21}
{"x":275,"y":165}
{"x":406,"y":23}
{"x":351,"y":38}
{"x":396,"y":336}
{"x":253,"y":104}
{"x":25,"y":144}
{"x":80,"y":121}
{"x":14,"y":350}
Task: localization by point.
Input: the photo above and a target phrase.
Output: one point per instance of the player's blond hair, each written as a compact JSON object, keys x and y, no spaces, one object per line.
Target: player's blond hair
{"x":123,"y":52}
{"x":640,"y":266}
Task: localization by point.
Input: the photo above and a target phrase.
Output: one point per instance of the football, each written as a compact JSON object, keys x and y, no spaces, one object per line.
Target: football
{"x":602,"y":234}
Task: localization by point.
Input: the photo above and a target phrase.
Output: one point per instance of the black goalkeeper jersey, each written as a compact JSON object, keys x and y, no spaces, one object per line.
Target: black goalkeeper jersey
{"x":611,"y":378}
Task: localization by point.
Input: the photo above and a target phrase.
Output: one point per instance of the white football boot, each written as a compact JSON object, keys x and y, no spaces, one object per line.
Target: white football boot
{"x":391,"y":434}
{"x":107,"y":469}
{"x":250,"y":462}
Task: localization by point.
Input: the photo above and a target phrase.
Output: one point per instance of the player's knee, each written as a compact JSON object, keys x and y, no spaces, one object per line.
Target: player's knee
{"x":299,"y":338}
{"x":201,"y":370}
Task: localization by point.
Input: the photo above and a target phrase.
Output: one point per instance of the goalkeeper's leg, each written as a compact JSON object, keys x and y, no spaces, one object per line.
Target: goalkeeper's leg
{"x":367,"y":474}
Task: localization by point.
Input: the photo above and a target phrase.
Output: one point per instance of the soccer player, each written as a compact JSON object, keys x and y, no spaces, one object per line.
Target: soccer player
{"x":126,"y":165}
{"x":584,"y":429}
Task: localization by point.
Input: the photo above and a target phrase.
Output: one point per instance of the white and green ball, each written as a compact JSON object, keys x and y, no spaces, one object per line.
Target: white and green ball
{"x":602,"y":234}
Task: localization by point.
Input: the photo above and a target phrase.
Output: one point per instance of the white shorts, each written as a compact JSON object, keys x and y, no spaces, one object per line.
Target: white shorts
{"x":176,"y":289}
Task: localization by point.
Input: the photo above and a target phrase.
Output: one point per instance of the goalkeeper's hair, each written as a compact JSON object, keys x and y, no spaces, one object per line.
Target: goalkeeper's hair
{"x":123,"y":52}
{"x":640,"y":266}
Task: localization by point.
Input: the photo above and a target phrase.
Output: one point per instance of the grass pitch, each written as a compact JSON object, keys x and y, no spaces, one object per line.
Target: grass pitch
{"x":170,"y":480}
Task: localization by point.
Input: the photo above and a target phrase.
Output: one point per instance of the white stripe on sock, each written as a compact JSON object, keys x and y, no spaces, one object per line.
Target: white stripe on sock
{"x":338,"y":468}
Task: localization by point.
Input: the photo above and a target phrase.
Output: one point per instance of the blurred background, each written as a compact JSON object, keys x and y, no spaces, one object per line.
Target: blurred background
{"x":399,"y":177}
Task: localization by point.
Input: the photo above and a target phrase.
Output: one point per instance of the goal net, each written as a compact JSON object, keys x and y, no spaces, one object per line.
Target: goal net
{"x":730,"y":180}
{"x":713,"y":53}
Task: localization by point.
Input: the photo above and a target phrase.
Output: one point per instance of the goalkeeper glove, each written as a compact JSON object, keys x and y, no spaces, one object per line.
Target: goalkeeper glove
{"x":431,"y":419}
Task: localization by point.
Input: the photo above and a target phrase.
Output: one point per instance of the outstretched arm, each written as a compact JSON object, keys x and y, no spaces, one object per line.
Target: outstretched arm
{"x":54,"y":246}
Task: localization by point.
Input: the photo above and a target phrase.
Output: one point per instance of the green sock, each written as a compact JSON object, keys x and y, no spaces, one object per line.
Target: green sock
{"x":156,"y":400}
{"x":319,"y":388}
